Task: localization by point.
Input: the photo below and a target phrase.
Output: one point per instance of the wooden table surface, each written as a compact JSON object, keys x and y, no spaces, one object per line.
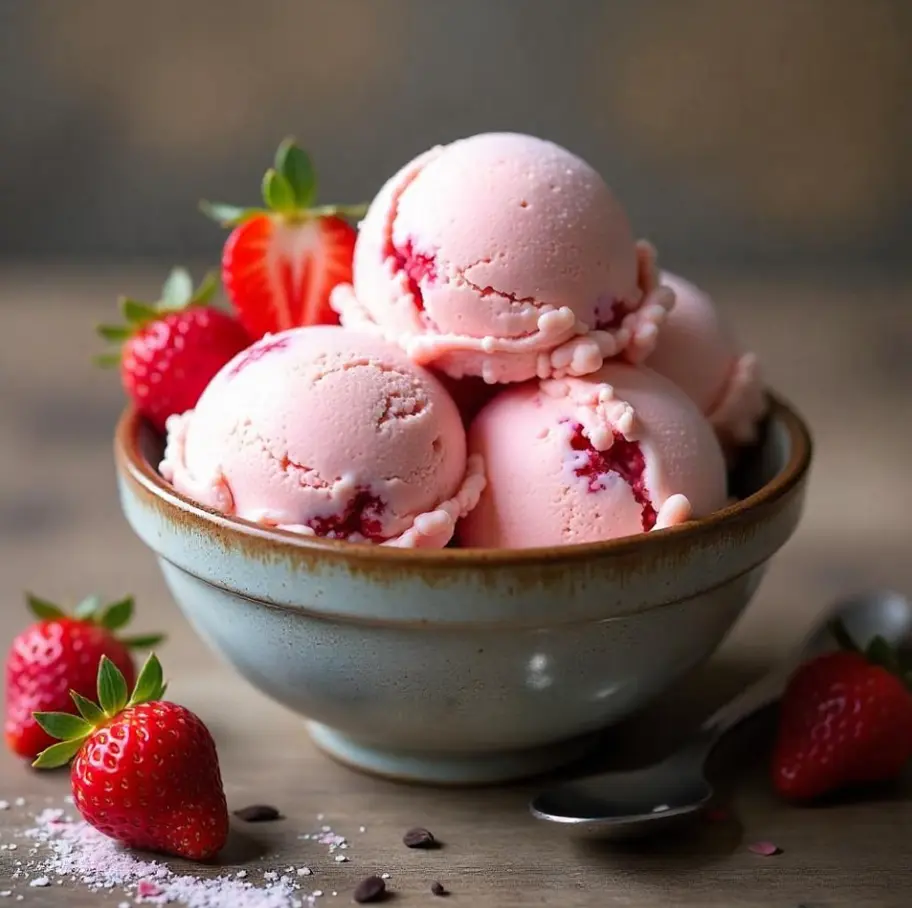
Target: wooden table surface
{"x":842,"y":351}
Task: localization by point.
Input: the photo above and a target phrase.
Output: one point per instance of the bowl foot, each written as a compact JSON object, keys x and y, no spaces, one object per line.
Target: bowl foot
{"x":428,"y":768}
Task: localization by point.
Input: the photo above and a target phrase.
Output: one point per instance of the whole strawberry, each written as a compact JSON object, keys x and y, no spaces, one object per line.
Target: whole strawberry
{"x":146,"y":770}
{"x":846,"y":719}
{"x":59,"y":653}
{"x":170,"y":350}
{"x":281,"y":262}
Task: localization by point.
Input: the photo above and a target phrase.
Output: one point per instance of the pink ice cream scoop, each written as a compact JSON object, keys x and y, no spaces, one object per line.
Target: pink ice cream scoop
{"x":328,"y":432}
{"x":506,"y":257}
{"x":619,"y":452}
{"x":697,"y":352}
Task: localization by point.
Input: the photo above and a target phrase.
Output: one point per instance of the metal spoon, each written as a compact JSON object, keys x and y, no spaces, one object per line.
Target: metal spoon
{"x":623,"y":805}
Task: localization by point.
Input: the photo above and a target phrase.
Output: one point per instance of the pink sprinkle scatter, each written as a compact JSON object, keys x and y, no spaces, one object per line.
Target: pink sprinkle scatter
{"x":764,"y":849}
{"x":326,"y":836}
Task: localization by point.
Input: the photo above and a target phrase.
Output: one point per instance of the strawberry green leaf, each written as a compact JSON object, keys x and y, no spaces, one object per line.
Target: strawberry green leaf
{"x":114,"y":333}
{"x":117,"y":614}
{"x":43,"y":609}
{"x":177,"y":290}
{"x":879,"y":652}
{"x":137,"y":312}
{"x":295,"y":165}
{"x":904,"y":656}
{"x":206,"y":290}
{"x":341,"y":211}
{"x":63,"y":726}
{"x":277,"y":192}
{"x":150,"y":683}
{"x":112,"y":688}
{"x":843,"y":637}
{"x":142,"y":641}
{"x":88,"y":608}
{"x":57,"y":754}
{"x":87,"y":709}
{"x":228,"y":215}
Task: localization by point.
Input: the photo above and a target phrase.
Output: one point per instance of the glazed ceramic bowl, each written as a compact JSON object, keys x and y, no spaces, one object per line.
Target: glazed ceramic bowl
{"x":465,"y":665}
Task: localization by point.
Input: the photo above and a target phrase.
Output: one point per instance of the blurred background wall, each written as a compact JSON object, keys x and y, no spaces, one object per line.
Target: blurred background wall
{"x":739,"y":133}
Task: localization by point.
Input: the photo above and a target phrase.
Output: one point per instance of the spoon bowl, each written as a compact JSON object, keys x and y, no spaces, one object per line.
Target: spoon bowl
{"x":627,"y":805}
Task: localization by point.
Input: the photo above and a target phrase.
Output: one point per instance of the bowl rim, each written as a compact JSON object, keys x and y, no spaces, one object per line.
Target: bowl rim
{"x":134,"y":467}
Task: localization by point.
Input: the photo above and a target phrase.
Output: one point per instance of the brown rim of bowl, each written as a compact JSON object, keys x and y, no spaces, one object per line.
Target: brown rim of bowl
{"x":138,"y":471}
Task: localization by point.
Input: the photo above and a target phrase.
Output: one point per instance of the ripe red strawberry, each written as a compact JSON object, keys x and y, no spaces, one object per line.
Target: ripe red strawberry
{"x":59,"y":653}
{"x":846,"y":719}
{"x":280,"y":262}
{"x":146,"y":770}
{"x":169,"y":351}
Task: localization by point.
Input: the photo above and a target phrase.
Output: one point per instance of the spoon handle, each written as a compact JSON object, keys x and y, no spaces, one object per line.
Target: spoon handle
{"x":761,"y":693}
{"x":769,"y":687}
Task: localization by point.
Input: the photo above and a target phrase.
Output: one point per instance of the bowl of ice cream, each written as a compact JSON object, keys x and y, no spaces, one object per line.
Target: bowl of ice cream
{"x":524,"y":485}
{"x":465,"y":665}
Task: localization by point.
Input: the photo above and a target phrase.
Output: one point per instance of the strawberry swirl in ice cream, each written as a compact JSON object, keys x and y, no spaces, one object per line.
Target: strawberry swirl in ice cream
{"x":506,"y":257}
{"x":328,"y":432}
{"x":619,"y":452}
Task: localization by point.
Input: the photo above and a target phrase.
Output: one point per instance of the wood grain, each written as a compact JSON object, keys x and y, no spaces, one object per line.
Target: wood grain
{"x":61,"y":534}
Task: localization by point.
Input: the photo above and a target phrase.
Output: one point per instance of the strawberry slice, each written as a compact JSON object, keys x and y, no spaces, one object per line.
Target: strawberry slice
{"x":280,"y":263}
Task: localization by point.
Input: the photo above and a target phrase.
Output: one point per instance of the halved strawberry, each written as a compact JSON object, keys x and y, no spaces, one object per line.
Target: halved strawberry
{"x":281,"y":262}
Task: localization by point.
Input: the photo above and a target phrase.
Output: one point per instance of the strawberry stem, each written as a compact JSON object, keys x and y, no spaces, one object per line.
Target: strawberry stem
{"x":113,"y":698}
{"x":878,"y":652}
{"x":112,"y":616}
{"x":289,"y":190}
{"x":177,"y":294}
{"x":344,"y":211}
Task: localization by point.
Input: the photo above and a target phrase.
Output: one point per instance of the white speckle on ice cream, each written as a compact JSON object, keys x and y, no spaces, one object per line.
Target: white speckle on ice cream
{"x":19,"y":802}
{"x":4,"y":805}
{"x":39,"y":882}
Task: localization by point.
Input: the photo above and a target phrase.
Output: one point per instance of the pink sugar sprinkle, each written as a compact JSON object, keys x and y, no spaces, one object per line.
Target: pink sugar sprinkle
{"x":147,"y":889}
{"x":764,"y":849}
{"x":79,"y":852}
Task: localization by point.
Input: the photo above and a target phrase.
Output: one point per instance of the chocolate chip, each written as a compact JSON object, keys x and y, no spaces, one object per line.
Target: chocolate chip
{"x":258,"y":813}
{"x":419,"y":838}
{"x":371,"y":889}
{"x":438,"y":888}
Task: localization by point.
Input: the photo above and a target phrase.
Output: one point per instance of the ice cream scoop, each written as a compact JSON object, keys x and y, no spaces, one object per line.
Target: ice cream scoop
{"x":507,"y":257}
{"x":697,"y":351}
{"x":328,"y":432}
{"x":619,"y":452}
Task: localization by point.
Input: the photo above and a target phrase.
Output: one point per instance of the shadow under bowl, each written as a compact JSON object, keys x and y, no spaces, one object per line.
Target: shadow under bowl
{"x":465,"y":666}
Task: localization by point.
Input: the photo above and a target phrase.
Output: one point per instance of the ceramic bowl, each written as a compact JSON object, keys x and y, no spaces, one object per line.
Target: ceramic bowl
{"x":465,"y":666}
